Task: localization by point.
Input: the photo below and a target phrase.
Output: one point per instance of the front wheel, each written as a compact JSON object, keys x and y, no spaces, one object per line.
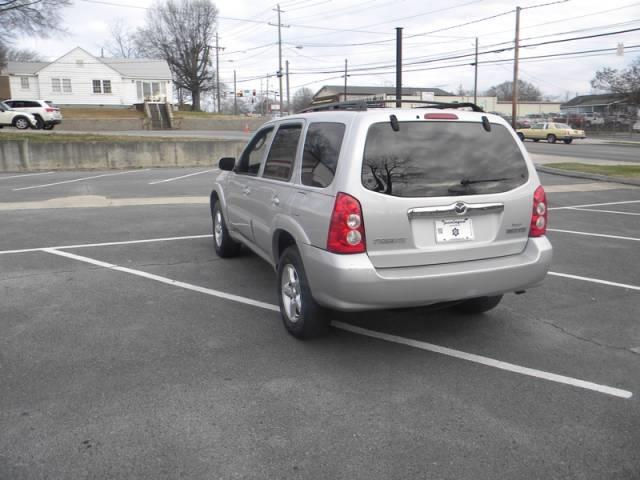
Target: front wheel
{"x":551,"y":138}
{"x":21,"y":123}
{"x":568,"y":140}
{"x":226,"y":247}
{"x":479,"y":305}
{"x":302,"y":316}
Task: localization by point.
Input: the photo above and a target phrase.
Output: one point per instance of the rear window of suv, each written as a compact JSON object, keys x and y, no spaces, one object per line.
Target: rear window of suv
{"x":435,"y":159}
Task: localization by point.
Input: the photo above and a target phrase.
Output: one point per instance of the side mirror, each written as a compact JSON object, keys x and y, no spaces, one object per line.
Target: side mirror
{"x":227,"y":163}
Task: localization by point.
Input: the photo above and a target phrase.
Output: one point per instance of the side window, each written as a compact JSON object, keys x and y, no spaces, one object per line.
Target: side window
{"x":283,"y":153}
{"x":321,"y":152}
{"x":32,"y":104}
{"x":254,"y":152}
{"x":538,"y":125}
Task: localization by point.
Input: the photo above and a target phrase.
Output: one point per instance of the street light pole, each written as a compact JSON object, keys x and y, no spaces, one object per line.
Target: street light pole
{"x":288,"y":102}
{"x":516,"y":55}
{"x":235,"y":95}
{"x":475,"y":77}
{"x":280,"y":55}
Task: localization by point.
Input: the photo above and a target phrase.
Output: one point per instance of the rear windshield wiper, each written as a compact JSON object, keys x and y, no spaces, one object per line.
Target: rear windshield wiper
{"x":467,"y":181}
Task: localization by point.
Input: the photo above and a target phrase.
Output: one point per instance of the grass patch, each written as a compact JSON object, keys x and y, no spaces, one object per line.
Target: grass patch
{"x":624,"y":171}
{"x":89,"y":138}
{"x":72,"y":113}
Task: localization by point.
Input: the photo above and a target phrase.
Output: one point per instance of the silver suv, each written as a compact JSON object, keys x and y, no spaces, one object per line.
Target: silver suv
{"x":385,"y":208}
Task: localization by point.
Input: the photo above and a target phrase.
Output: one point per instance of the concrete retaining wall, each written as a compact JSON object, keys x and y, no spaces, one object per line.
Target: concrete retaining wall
{"x":239,"y":124}
{"x":26,"y":156}
{"x":123,"y":124}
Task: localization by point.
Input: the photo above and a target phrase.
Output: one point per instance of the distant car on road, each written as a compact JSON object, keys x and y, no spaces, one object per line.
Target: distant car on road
{"x":13,"y":118}
{"x":47,"y":115}
{"x":551,"y":132}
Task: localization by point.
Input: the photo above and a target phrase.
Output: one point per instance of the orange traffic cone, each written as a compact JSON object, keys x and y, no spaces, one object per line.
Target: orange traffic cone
{"x":246,"y":128}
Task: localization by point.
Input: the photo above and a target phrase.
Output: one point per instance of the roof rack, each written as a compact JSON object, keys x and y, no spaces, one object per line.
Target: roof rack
{"x":363,"y":105}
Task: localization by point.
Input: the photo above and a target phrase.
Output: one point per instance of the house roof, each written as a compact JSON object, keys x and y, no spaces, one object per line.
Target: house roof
{"x":139,"y":67}
{"x":25,"y":68}
{"x":358,"y":90}
{"x":591,"y":100}
{"x":150,"y":68}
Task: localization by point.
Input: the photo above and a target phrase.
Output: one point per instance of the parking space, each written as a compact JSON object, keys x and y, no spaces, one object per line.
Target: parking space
{"x":147,"y":356}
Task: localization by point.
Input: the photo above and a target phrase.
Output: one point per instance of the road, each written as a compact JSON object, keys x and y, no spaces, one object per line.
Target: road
{"x":621,"y":153}
{"x":149,"y":358}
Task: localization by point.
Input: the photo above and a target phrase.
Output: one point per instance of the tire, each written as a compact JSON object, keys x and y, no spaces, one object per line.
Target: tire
{"x":225,"y":246}
{"x":302,"y":316}
{"x":48,"y":127}
{"x":21,"y":123}
{"x":551,"y":138}
{"x":568,"y":140}
{"x":521,"y":136}
{"x":40,"y":125}
{"x":479,"y":305}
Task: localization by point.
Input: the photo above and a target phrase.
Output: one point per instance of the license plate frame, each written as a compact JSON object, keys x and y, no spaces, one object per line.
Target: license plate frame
{"x":450,"y":230}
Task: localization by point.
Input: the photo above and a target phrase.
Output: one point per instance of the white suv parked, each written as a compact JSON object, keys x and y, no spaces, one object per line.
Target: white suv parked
{"x":385,"y":208}
{"x":47,"y":115}
{"x":12,"y":118}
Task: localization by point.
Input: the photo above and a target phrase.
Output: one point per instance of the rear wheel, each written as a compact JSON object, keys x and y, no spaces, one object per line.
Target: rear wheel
{"x":551,"y":138}
{"x":225,"y":246}
{"x":302,"y":316}
{"x":521,"y":136}
{"x":568,"y":140}
{"x":40,"y":123}
{"x":21,"y":123}
{"x":479,"y":305}
{"x":48,"y":127}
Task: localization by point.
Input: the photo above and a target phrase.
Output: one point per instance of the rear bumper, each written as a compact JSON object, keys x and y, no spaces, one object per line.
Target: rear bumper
{"x":350,"y":282}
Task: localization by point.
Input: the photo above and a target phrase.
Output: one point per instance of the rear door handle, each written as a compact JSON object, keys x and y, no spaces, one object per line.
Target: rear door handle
{"x":246,"y":190}
{"x":275,"y":201}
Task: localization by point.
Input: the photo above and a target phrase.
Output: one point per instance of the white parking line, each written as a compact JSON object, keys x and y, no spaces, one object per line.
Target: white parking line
{"x":165,"y":280}
{"x":602,"y":211}
{"x":105,"y":244}
{"x":617,"y":237}
{"x":595,"y":205}
{"x":490,"y":362}
{"x":25,"y":175}
{"x":594,"y":280}
{"x":80,"y":179}
{"x":183,"y":176}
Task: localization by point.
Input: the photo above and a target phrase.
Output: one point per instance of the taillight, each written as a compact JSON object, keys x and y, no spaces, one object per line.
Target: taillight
{"x":50,"y":110}
{"x":346,"y":230}
{"x":440,"y":116}
{"x":539,"y":215}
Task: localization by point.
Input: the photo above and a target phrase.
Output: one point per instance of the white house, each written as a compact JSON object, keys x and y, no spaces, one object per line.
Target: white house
{"x":79,"y":78}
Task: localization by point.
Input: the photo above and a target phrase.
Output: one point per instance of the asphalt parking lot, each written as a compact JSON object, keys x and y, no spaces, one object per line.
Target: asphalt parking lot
{"x":129,"y":350}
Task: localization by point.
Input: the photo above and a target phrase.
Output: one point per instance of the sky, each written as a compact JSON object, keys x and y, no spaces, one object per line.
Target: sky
{"x":318,"y":35}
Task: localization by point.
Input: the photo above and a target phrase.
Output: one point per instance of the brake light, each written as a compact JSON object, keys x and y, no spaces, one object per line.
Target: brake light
{"x":539,"y":215}
{"x":50,"y":110}
{"x":440,"y":116}
{"x":346,"y":230}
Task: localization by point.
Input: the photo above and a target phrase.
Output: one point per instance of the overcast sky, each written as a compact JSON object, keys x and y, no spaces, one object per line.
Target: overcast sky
{"x":323,"y":33}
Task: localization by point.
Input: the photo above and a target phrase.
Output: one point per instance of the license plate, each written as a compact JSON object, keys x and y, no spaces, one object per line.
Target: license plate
{"x":454,"y":230}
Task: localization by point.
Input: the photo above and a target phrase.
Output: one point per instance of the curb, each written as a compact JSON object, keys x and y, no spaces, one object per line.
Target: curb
{"x":622,"y":143}
{"x":588,"y":176}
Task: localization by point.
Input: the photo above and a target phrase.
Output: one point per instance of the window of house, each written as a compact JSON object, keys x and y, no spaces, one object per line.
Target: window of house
{"x":24,"y":83}
{"x":101,"y":86}
{"x":66,"y":85}
{"x":55,"y":85}
{"x":148,"y":90}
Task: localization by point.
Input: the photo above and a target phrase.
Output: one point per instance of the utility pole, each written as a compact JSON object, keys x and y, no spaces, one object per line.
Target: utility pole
{"x":516,"y":56}
{"x":345,"y":79}
{"x":279,"y":74}
{"x":398,"y":67}
{"x":218,"y":48}
{"x":475,"y":77}
{"x":235,"y":95}
{"x":268,"y":101}
{"x":288,"y":102}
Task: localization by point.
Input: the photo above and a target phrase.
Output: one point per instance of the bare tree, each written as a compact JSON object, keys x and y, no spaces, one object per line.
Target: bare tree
{"x":122,"y":43}
{"x":23,"y":55}
{"x":31,"y":17}
{"x":626,"y":81}
{"x":181,"y":32}
{"x":526,"y":91}
{"x":302,"y":99}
